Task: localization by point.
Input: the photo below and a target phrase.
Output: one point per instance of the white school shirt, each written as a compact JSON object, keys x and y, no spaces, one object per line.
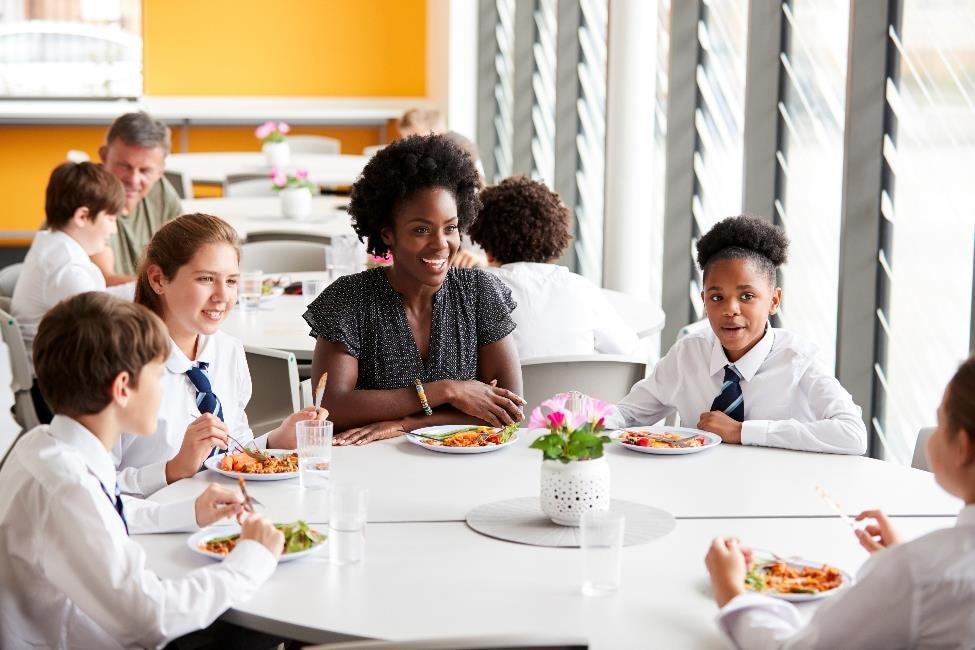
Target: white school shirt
{"x":141,"y":460}
{"x":9,"y":429}
{"x":70,"y":577}
{"x":790,"y":399}
{"x":920,"y":594}
{"x":56,"y":267}
{"x":560,"y":312}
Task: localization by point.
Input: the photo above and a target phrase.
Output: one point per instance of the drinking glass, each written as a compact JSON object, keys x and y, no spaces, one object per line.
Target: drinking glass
{"x":311,"y":288}
{"x":347,"y":524}
{"x":601,"y":539}
{"x":249,"y":289}
{"x":314,"y":453}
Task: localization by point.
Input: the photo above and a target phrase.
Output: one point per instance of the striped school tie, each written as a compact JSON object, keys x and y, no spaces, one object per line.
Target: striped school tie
{"x":206,"y":400}
{"x":117,"y":502}
{"x":730,"y":401}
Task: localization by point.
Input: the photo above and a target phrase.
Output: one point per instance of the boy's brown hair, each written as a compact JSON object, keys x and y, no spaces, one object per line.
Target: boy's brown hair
{"x":81,"y":185}
{"x":174,"y":245}
{"x":960,"y":400}
{"x":85,"y":341}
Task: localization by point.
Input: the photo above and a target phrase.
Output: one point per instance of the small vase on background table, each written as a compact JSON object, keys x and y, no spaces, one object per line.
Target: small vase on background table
{"x":277,"y":154}
{"x":295,"y":202}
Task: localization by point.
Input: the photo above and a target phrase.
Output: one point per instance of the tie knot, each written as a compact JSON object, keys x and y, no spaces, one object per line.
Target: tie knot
{"x":731,"y":375}
{"x":199,"y":377}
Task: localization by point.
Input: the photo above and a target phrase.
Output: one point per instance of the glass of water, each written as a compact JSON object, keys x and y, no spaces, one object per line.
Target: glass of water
{"x":249,"y":289}
{"x":347,"y":524}
{"x":601,"y":539}
{"x":314,"y":453}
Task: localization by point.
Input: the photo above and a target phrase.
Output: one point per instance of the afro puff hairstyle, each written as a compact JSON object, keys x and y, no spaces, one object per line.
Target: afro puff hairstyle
{"x":744,"y":237}
{"x":521,"y":220}
{"x":403,"y":168}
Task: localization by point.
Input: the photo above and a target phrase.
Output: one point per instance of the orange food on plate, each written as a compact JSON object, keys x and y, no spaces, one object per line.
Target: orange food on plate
{"x":659,"y":440}
{"x":241,"y":462}
{"x":795,"y":579}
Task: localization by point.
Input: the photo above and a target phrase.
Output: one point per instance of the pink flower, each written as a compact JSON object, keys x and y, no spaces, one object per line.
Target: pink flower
{"x":264,"y":130}
{"x":278,"y":177}
{"x":283,"y":128}
{"x":302,"y":174}
{"x":556,"y":419}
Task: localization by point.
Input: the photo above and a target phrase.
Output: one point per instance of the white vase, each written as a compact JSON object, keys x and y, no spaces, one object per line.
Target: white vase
{"x":277,"y":154}
{"x":295,"y":203}
{"x":570,"y":489}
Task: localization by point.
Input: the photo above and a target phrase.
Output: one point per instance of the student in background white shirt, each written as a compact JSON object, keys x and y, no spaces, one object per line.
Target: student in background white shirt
{"x":189,"y":278}
{"x":81,"y":203}
{"x":70,"y":575}
{"x":919,"y":594}
{"x":743,"y":380}
{"x":524,"y":228}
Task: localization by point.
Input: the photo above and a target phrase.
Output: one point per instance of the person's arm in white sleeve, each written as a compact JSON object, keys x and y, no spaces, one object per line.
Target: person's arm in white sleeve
{"x":150,"y":517}
{"x":104,"y":573}
{"x":876,"y":612}
{"x":837,"y":428}
{"x":647,"y":401}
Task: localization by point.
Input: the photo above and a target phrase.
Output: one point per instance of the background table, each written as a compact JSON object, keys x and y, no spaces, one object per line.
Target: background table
{"x":250,"y":215}
{"x":213,"y":168}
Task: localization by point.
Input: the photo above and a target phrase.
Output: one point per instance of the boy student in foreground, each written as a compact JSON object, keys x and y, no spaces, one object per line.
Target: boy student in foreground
{"x":70,"y":576}
{"x":82,"y":202}
{"x":189,"y":279}
{"x":920,"y":594}
{"x":742,"y":379}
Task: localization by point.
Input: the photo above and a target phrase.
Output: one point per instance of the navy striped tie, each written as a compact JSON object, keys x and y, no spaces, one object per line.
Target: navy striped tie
{"x":730,"y":401}
{"x":117,"y":502}
{"x":206,"y":400}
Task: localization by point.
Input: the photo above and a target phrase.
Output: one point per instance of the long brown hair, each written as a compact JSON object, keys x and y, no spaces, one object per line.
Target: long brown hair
{"x":174,"y":245}
{"x":960,"y":400}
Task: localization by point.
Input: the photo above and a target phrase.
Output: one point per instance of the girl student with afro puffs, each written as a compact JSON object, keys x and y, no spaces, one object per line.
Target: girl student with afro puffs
{"x":417,"y":343}
{"x":523,"y":227}
{"x":742,"y":379}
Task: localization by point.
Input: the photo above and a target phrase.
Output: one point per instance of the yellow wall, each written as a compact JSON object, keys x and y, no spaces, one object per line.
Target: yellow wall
{"x":364,"y":48}
{"x":324,"y":48}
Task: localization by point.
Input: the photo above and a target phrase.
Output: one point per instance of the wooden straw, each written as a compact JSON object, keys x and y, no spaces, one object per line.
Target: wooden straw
{"x":320,"y":389}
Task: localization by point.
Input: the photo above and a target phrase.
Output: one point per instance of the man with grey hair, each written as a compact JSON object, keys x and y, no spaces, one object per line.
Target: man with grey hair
{"x":135,"y":152}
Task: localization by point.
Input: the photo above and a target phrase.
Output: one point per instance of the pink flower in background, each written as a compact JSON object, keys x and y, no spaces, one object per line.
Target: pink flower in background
{"x":302,"y":174}
{"x":282,"y":181}
{"x":283,"y":127}
{"x":264,"y":130}
{"x":271,"y":131}
{"x":278,"y":177}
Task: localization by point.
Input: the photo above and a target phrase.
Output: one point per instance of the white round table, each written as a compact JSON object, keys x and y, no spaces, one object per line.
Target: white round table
{"x":262,"y":214}
{"x":213,"y":168}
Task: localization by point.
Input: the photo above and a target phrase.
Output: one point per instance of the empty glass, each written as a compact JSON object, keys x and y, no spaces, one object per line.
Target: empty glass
{"x":311,"y":288}
{"x":249,"y":289}
{"x":601,"y":539}
{"x":347,"y":524}
{"x":314,"y":453}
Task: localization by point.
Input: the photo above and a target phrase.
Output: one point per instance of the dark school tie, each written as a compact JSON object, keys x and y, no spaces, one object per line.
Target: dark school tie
{"x":730,"y":401}
{"x":119,"y":507}
{"x":206,"y":399}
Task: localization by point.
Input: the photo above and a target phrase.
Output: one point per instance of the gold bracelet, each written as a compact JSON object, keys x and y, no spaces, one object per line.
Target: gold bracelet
{"x":423,"y":397}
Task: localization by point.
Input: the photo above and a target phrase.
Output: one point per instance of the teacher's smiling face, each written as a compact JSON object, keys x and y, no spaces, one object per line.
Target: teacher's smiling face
{"x":424,"y":236}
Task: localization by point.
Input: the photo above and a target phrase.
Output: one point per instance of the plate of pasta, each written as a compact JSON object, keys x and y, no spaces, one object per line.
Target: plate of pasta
{"x":283,"y":465}
{"x":464,"y":438}
{"x":218,"y":541}
{"x":666,"y":440}
{"x":795,"y":580}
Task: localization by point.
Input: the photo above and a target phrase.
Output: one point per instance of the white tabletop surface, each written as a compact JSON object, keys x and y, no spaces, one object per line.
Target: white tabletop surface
{"x":410,"y":484}
{"x":429,"y":580}
{"x":213,"y":168}
{"x":278,"y":323}
{"x":256,"y":214}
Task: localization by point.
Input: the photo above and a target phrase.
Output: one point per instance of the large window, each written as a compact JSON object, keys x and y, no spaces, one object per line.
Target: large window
{"x":71,"y":48}
{"x":929,"y":149}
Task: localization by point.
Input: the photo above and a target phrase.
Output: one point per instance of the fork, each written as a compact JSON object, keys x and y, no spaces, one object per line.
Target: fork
{"x":256,"y":455}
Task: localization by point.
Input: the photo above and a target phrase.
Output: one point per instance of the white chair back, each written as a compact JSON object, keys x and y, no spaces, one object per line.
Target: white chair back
{"x":607,"y":377}
{"x":282,"y":256}
{"x":371,"y":150}
{"x":304,"y":393}
{"x":494,"y":642}
{"x":248,"y":187}
{"x":313,"y":144}
{"x":180,"y":182}
{"x":8,"y":278}
{"x":920,"y":460}
{"x":274,"y":375}
{"x":21,"y":378}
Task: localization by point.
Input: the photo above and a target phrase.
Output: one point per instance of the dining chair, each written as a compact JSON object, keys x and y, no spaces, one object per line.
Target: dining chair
{"x":493,"y":642}
{"x":282,"y":256}
{"x":274,"y":394}
{"x":180,"y":182}
{"x":8,"y":278}
{"x":247,"y":185}
{"x":371,"y":150}
{"x":21,"y":379}
{"x":607,"y":377}
{"x":920,"y":460}
{"x":313,"y":144}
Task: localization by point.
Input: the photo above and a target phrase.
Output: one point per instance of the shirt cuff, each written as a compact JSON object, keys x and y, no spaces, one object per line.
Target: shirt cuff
{"x":179,"y":516}
{"x":253,"y":559}
{"x":615,"y":419}
{"x":261,"y":441}
{"x":755,"y":432}
{"x":152,"y":478}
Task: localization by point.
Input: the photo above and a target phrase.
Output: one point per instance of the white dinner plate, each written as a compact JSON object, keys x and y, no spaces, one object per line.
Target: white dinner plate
{"x":801,"y":598}
{"x":212,"y":532}
{"x":444,"y":429}
{"x":713,"y":439}
{"x":211,"y":463}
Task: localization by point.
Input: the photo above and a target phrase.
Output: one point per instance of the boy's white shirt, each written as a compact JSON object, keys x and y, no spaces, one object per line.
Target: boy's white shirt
{"x":69,"y":574}
{"x":141,"y":460}
{"x":56,"y":267}
{"x":791,"y":401}
{"x":920,"y":594}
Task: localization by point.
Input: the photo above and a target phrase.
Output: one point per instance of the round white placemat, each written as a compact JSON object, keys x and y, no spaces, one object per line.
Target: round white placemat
{"x":521,"y":520}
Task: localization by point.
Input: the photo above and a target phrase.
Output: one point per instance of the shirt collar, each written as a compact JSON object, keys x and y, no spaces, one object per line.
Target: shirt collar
{"x":178,"y":363}
{"x":96,"y":458}
{"x":749,"y":364}
{"x":967,"y":516}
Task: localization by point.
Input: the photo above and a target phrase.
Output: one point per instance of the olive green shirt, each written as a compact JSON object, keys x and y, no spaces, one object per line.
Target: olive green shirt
{"x":135,"y":229}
